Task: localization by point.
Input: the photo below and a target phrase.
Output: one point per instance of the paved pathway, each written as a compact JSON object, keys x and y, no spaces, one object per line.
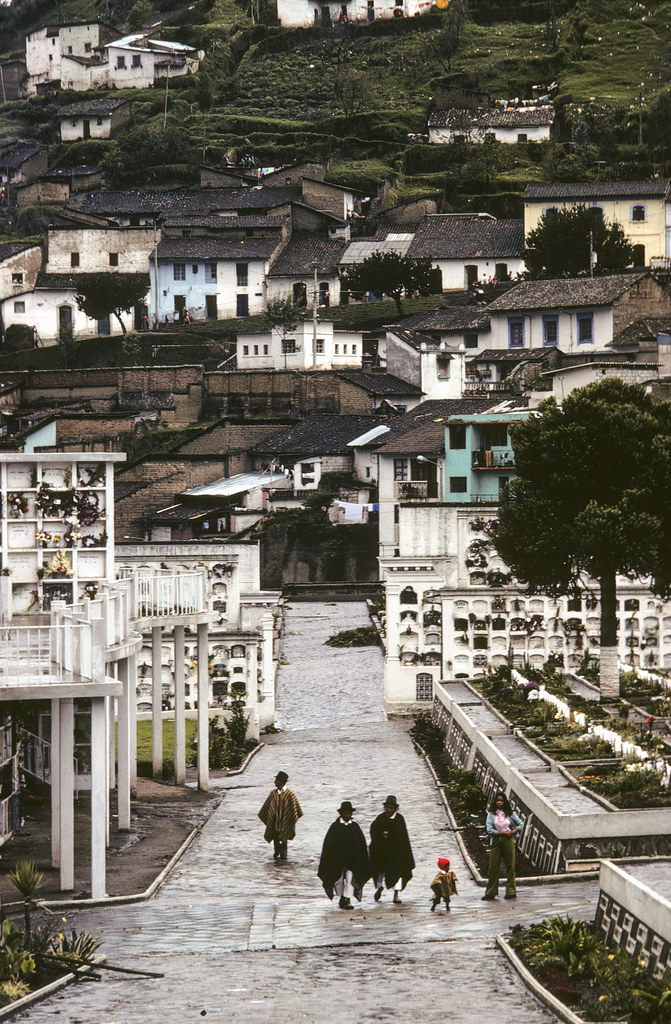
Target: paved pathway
{"x":243,"y":939}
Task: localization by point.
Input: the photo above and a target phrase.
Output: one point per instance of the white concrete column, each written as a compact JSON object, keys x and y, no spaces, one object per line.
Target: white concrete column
{"x":55,"y":780}
{"x":203,"y":716}
{"x":180,"y":703}
{"x":132,"y":721}
{"x":99,"y":795}
{"x":123,"y":747}
{"x":233,"y":598}
{"x":252,"y":692}
{"x":67,"y":794}
{"x":156,"y":704}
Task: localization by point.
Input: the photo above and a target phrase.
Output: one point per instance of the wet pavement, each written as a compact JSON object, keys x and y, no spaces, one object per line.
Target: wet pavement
{"x":240,"y":937}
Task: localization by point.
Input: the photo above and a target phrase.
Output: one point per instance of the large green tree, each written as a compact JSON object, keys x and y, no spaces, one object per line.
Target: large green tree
{"x":591,"y":500}
{"x":561,"y":244}
{"x":387,"y":273}
{"x":100,"y":295}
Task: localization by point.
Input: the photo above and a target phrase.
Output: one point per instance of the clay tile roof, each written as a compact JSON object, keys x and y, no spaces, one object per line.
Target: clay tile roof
{"x":316,"y":435}
{"x":380,"y":383}
{"x":217,"y":249}
{"x":597,"y":189}
{"x":565,"y":292}
{"x":422,"y":430}
{"x":495,"y":117}
{"x":448,"y":318}
{"x":8,"y":249}
{"x":303,"y":250}
{"x":93,"y":107}
{"x":467,"y":237}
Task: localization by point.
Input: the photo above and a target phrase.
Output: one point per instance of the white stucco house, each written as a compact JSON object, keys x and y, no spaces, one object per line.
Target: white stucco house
{"x":436,"y":367}
{"x":49,"y":45}
{"x":575,"y":314}
{"x":468,"y":248}
{"x":94,"y":119}
{"x":136,"y":62}
{"x":303,"y":348}
{"x":511,"y":124}
{"x":210,"y":278}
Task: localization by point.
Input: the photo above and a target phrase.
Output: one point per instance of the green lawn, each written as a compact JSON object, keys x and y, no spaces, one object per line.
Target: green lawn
{"x":144,"y":760}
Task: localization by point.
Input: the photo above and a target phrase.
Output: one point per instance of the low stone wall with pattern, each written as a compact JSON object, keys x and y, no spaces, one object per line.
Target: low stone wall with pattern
{"x":565,"y":827}
{"x":634,"y":913}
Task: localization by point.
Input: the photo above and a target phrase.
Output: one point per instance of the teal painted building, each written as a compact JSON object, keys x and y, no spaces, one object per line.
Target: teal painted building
{"x":479,"y":458}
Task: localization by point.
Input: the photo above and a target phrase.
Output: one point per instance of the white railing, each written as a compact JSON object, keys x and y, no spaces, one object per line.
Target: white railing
{"x":36,"y":756}
{"x":57,"y":653}
{"x":164,"y":593}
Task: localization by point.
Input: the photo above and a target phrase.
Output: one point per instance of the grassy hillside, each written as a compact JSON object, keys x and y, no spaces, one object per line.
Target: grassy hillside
{"x":278,"y":96}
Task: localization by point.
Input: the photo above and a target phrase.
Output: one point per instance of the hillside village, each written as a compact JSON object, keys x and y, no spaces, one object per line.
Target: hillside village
{"x":240,"y":423}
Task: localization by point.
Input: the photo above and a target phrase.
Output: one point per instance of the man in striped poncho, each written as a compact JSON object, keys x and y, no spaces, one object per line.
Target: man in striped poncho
{"x":279,"y":814}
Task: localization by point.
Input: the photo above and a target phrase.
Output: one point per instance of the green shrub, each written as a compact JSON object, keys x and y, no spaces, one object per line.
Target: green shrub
{"x":427,"y":734}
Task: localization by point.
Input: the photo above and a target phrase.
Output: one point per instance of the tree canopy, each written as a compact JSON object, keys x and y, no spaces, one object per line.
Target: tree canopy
{"x":591,"y":499}
{"x":387,"y":273}
{"x":561,"y":244}
{"x":100,"y":295}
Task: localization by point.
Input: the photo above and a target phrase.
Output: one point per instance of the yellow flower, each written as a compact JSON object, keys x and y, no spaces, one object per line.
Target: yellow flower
{"x":611,"y":956}
{"x":601,"y":998}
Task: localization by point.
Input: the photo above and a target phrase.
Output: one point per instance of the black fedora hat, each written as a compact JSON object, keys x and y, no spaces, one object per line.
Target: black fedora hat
{"x":346,"y":807}
{"x":391,"y":800}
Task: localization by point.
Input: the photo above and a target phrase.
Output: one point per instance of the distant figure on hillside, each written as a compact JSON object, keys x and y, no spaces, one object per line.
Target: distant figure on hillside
{"x":391,"y":856}
{"x":344,"y":867}
{"x":280,"y":812}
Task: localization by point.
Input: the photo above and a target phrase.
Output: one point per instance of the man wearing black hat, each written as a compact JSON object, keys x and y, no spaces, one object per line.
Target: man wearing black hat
{"x":391,"y":856}
{"x":344,"y":867}
{"x":280,"y":812}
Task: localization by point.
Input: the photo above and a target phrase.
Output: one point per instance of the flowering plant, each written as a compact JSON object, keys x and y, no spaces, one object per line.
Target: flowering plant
{"x":71,"y":538}
{"x":91,"y":589}
{"x":60,"y":565}
{"x":17,"y":504}
{"x":42,"y":538}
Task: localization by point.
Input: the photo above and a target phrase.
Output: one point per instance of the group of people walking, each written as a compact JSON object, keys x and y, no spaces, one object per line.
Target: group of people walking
{"x":347,"y":862}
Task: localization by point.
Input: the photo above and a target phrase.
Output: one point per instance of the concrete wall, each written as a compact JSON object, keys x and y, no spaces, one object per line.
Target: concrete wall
{"x":633,"y":916}
{"x":94,"y":246}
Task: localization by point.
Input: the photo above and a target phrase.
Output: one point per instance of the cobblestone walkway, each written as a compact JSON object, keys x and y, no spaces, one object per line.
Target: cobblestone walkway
{"x":241,"y":938}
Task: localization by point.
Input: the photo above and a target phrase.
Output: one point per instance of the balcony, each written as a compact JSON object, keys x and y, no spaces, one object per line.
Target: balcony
{"x":165,"y":594}
{"x":486,"y":387}
{"x":415,"y":490}
{"x":493,"y":458}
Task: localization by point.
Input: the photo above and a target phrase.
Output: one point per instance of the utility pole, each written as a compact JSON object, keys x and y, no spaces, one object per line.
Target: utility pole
{"x":640,"y":118}
{"x":315,"y":302}
{"x":165,"y":102}
{"x":155,"y":277}
{"x":591,"y":253}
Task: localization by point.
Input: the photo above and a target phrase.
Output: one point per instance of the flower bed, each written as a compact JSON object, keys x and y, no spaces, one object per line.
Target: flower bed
{"x":569,"y":959}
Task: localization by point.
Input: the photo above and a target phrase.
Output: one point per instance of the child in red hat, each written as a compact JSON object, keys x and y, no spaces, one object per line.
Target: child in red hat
{"x":444,"y":884}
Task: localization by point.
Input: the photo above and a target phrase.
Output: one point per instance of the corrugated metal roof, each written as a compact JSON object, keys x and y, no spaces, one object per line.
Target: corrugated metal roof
{"x":228,"y":486}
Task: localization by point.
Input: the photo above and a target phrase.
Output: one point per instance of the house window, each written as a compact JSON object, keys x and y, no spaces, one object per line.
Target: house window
{"x":585,"y":324}
{"x":336,"y":350}
{"x":17,"y":278}
{"x":288,"y":346}
{"x":256,"y":350}
{"x":99,"y":120}
{"x":19,"y":307}
{"x":114,"y":259}
{"x":69,"y":49}
{"x":265,"y":350}
{"x":242,"y":274}
{"x":470,"y":340}
{"x":121,"y":62}
{"x":307,"y":473}
{"x":344,"y":350}
{"x":245,"y":350}
{"x":242,"y":305}
{"x":638,"y":212}
{"x":596,"y":212}
{"x":550,"y":330}
{"x":137,"y":60}
{"x":400,"y":469}
{"x":515,"y":332}
{"x":194,"y":268}
{"x":74,"y":122}
{"x":179,"y":271}
{"x":458,"y":485}
{"x":443,"y":367}
{"x":211,"y":271}
{"x":74,"y":259}
{"x":457,"y":436}
{"x":320,"y":346}
{"x":522,"y":137}
{"x":87,"y":47}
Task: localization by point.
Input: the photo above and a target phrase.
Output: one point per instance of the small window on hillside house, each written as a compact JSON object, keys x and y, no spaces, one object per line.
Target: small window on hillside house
{"x":458,"y":485}
{"x":87,"y":47}
{"x":114,"y":259}
{"x":74,"y":259}
{"x":194,"y":268}
{"x":550,"y":330}
{"x":242,"y":274}
{"x":17,"y":278}
{"x":470,"y":340}
{"x":400,"y":469}
{"x":121,"y":62}
{"x":137,"y":60}
{"x":245,"y":350}
{"x":516,"y":333}
{"x":288,"y":346}
{"x":19,"y":307}
{"x":638,"y":212}
{"x":211,"y":271}
{"x":457,"y":436}
{"x":320,"y":346}
{"x":522,"y":137}
{"x":585,"y":323}
{"x":179,"y":271}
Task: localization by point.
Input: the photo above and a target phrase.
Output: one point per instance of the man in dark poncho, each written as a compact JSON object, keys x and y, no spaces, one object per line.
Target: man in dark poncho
{"x":280,"y":812}
{"x":344,"y":867}
{"x":391,"y":857}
